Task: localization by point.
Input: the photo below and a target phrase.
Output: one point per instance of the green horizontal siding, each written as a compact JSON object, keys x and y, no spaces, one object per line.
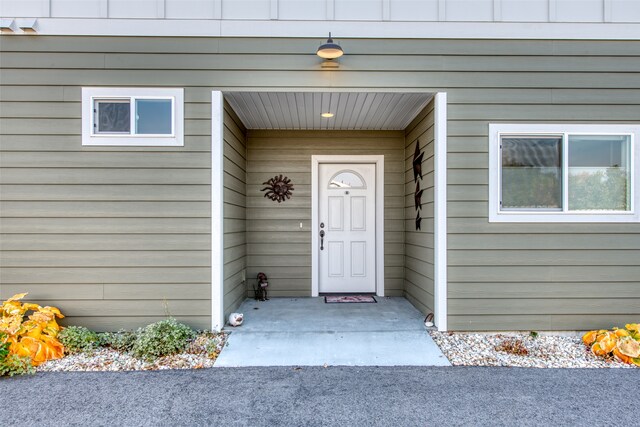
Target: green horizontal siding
{"x":276,"y":244}
{"x":60,"y":197}
{"x":419,"y":255}
{"x":235,"y":210}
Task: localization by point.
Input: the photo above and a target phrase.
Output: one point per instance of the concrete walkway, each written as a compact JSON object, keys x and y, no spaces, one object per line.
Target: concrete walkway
{"x":308,"y":332}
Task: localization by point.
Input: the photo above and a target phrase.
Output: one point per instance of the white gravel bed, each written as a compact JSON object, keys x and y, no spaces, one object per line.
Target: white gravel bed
{"x":543,"y":351}
{"x":202,"y":353}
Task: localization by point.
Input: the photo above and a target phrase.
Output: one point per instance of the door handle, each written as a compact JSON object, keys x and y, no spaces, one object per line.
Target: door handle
{"x":321,"y":240}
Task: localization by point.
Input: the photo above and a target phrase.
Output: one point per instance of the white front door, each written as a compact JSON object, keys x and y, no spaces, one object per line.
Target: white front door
{"x":347,"y":234}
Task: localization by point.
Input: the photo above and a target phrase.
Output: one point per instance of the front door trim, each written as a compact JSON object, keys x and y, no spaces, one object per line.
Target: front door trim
{"x":316,"y":160}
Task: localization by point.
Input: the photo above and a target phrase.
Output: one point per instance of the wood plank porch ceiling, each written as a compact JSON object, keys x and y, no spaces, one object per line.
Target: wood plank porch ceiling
{"x":302,"y":110}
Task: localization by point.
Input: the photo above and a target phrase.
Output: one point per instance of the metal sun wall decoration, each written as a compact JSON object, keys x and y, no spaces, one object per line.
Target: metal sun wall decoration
{"x":278,"y":188}
{"x":417,"y":172}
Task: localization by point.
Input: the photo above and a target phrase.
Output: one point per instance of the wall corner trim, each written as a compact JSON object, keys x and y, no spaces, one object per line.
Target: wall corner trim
{"x":440,"y":211}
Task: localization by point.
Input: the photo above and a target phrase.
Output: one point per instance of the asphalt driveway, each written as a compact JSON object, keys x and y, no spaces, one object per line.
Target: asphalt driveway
{"x":348,"y":396}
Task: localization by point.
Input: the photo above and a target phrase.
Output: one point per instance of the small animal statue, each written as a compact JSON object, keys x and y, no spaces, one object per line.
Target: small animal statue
{"x":260,"y":292}
{"x":235,"y":319}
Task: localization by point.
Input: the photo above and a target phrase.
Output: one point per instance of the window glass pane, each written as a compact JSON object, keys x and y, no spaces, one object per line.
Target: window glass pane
{"x":346,"y":179}
{"x":532,"y":172}
{"x":599,"y":172}
{"x":113,"y":116}
{"x":153,"y":116}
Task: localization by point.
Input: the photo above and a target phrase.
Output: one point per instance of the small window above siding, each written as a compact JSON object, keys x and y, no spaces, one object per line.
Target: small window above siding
{"x":564,"y":173}
{"x":132,"y":116}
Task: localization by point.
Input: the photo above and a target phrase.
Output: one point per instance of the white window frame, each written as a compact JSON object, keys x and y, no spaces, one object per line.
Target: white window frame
{"x":496,"y":130}
{"x":92,"y":94}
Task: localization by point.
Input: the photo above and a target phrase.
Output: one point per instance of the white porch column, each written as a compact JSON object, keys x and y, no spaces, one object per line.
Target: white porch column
{"x":440,"y":211}
{"x":217,"y":219}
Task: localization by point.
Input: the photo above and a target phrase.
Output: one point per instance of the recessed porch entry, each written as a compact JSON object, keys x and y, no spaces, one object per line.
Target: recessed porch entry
{"x":347,"y":208}
{"x":308,"y":332}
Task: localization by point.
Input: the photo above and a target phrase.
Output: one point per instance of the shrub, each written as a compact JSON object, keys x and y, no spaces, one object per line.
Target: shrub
{"x":622,"y":344}
{"x":162,"y":339}
{"x":78,"y":339}
{"x":512,"y":346}
{"x":11,"y":364}
{"x":119,"y":341}
{"x":207,"y":343}
{"x":33,"y":336}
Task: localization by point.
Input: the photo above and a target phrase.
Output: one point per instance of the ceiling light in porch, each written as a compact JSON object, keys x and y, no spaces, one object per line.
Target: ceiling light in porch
{"x":327,"y":115}
{"x":330,"y":50}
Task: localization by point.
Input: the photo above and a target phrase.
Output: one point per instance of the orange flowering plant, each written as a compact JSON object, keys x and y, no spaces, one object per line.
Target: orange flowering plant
{"x":33,"y":336}
{"x":623,"y":344}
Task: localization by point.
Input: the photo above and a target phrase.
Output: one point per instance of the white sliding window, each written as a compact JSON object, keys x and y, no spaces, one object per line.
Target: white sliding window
{"x":563,"y":173}
{"x":132,"y":116}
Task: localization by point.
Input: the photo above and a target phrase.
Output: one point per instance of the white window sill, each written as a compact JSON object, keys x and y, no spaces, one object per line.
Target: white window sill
{"x":552,"y":217}
{"x":132,"y":141}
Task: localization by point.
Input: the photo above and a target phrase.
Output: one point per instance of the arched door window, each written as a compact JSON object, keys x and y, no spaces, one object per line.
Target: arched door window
{"x":347,"y":179}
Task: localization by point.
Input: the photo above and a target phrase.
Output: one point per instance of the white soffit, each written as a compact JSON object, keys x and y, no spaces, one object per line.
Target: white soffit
{"x":302,"y":110}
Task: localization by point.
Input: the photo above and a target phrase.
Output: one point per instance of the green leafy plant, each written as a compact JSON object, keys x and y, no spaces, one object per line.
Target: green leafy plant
{"x":12,"y":364}
{"x":78,"y":339}
{"x":120,"y":341}
{"x":533,"y":334}
{"x":162,"y":339}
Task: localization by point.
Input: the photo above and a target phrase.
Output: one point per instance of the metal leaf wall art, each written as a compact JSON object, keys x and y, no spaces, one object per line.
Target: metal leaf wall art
{"x":417,"y":172}
{"x":417,"y":197}
{"x":417,"y":162}
{"x":278,"y":188}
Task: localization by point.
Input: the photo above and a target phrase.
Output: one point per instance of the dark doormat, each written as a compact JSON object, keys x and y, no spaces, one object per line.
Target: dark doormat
{"x":332,"y":299}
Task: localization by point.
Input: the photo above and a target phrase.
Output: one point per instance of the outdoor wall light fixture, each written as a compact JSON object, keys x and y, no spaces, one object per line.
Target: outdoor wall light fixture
{"x":330,"y":51}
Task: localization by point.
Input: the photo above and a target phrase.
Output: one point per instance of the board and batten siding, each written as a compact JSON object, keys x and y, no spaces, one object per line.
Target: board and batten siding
{"x":277,"y":245}
{"x":501,"y":276}
{"x":235,"y":207}
{"x":419,"y":244}
{"x":339,"y":10}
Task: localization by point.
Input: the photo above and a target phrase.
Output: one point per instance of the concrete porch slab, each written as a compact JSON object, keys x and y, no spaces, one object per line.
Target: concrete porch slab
{"x":308,"y":332}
